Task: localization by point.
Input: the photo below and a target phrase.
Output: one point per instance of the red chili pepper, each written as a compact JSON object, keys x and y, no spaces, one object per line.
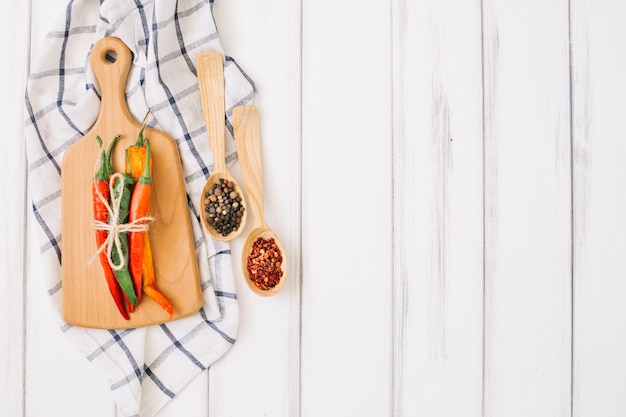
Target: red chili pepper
{"x":101,"y":213}
{"x":139,"y":205}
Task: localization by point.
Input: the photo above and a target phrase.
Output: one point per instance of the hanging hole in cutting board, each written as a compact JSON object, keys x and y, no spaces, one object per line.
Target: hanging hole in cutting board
{"x":110,"y":56}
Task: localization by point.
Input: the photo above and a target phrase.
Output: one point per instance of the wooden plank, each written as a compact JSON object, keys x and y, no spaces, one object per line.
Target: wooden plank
{"x":77,"y":387}
{"x":599,"y":83}
{"x":438,"y":208}
{"x":347,"y":208}
{"x":260,"y":375}
{"x":14,"y":42}
{"x":527,"y":209}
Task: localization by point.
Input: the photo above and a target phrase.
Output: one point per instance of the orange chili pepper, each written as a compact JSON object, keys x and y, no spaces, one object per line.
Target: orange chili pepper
{"x":136,"y":155}
{"x":139,"y":205}
{"x":139,"y":165}
{"x":149,"y":285}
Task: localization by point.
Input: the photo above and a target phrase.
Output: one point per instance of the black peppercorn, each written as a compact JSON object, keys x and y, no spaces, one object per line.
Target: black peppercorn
{"x":224,"y":208}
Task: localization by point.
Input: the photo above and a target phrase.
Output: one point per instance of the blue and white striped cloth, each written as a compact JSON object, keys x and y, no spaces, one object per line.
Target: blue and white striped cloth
{"x":148,"y":366}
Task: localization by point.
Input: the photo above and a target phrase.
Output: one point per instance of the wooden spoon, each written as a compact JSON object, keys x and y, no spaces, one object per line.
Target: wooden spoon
{"x":211,"y":81}
{"x":248,"y":141}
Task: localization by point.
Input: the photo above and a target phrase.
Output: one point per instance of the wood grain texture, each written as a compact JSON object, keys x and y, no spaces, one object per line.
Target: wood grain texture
{"x":78,"y":389}
{"x":438,"y":215}
{"x":86,"y":298}
{"x":599,"y":146}
{"x":264,"y":38}
{"x":210,"y":67}
{"x":248,"y":141}
{"x":347,"y":208}
{"x":527,"y":209}
{"x":367,"y":95}
{"x":14,"y":43}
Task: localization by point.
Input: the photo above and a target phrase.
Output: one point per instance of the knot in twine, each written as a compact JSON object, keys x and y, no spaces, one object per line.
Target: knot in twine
{"x":114,"y":228}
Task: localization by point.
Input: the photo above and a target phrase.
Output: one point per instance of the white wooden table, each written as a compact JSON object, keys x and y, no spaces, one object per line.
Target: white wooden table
{"x":449,"y":178}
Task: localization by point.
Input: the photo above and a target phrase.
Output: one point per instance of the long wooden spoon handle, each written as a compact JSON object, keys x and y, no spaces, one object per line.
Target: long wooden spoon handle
{"x":210,"y":68}
{"x":248,"y":141}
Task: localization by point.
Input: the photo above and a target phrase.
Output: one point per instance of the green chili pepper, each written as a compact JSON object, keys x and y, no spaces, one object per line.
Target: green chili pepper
{"x":123,"y":275}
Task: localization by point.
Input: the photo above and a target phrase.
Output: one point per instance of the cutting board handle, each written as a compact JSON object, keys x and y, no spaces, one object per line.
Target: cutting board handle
{"x":110,"y":60}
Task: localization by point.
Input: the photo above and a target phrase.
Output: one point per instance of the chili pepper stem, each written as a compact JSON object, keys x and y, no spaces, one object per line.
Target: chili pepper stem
{"x":140,"y":138}
{"x":129,"y":166}
{"x":107,"y":159}
{"x":146,"y":176}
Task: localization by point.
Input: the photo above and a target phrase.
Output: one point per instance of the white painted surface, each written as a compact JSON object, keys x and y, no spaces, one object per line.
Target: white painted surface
{"x":438,"y":209}
{"x":598,"y":68}
{"x":528,"y":271}
{"x":346,"y":208}
{"x":448,"y":177}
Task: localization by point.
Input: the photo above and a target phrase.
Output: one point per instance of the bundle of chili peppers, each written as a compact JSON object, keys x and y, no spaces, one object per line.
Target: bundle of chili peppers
{"x":121,"y":201}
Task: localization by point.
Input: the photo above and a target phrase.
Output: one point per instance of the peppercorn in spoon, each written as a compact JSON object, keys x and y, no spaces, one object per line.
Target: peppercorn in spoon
{"x":263,"y":255}
{"x":222,"y":202}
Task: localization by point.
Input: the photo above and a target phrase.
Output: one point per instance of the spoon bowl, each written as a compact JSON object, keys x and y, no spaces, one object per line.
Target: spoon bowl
{"x":210,"y":68}
{"x":266,"y":233}
{"x":216,"y":178}
{"x":248,"y":141}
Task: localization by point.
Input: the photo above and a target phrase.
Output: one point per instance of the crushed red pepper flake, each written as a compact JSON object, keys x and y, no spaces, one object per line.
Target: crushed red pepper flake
{"x":264,"y":264}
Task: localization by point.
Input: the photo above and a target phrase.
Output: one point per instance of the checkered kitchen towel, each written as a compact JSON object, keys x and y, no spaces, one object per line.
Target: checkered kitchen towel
{"x":144,"y":367}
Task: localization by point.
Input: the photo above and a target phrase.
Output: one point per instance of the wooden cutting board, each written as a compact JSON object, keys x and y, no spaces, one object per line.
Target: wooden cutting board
{"x":86,"y":298}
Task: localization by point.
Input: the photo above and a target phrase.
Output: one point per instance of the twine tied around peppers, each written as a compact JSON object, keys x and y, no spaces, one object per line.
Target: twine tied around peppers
{"x":114,"y":228}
